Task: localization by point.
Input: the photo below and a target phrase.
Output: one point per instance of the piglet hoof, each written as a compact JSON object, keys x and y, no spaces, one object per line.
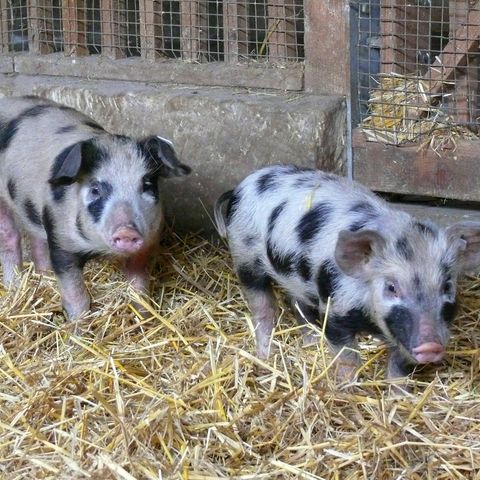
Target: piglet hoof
{"x":74,"y":311}
{"x":345,"y":371}
{"x":309,"y":339}
{"x":399,"y":390}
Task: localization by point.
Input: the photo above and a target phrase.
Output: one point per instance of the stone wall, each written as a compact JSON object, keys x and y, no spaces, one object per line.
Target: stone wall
{"x":223,"y":134}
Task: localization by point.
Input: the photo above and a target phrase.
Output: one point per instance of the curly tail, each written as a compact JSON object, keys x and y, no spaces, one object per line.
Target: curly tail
{"x":218,"y":213}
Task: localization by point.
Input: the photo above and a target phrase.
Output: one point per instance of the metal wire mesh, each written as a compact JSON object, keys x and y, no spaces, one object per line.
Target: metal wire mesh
{"x":193,"y":30}
{"x":418,"y":69}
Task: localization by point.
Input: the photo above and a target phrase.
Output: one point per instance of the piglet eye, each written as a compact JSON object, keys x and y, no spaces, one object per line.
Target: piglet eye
{"x":391,"y":289}
{"x":447,"y":288}
{"x":94,"y":190}
{"x":148,"y":185}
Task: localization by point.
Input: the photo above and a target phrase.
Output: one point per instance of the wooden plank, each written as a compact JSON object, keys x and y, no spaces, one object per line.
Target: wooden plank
{"x":327,"y":47}
{"x":150,"y":12}
{"x":4,"y":30}
{"x":405,"y":32}
{"x":465,"y":41}
{"x":113,"y":16}
{"x":74,"y":27}
{"x":281,"y":30}
{"x":164,"y":71}
{"x":388,"y":168}
{"x":464,"y":98}
{"x":40,"y":26}
{"x":440,"y":215}
{"x":194,"y":29}
{"x":235,"y":28}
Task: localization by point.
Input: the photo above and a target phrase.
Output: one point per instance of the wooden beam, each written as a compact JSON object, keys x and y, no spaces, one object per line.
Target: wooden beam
{"x":235,"y":28}
{"x":194,"y":29}
{"x":405,"y":32}
{"x":327,"y":47}
{"x":4,"y":30}
{"x":388,"y":168}
{"x":281,"y":33}
{"x":40,"y":26}
{"x":113,"y":17}
{"x":465,"y":41}
{"x":151,"y":41}
{"x":74,"y":27}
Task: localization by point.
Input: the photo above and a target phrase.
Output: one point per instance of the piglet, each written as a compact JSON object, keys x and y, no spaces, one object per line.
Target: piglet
{"x":318,"y":235}
{"x":79,"y":192}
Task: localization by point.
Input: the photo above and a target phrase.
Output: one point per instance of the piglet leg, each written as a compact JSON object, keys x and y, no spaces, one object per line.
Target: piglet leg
{"x":262,"y":305}
{"x":306,"y":315}
{"x":135,"y":268}
{"x":10,"y":244}
{"x":68,"y":268}
{"x":40,"y":254}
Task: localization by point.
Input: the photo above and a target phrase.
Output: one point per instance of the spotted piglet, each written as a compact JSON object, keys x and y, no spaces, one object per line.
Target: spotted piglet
{"x":319,"y":235}
{"x":79,"y":192}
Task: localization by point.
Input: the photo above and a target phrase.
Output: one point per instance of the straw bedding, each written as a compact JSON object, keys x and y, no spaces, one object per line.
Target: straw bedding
{"x":180,"y":394}
{"x":402,"y":111}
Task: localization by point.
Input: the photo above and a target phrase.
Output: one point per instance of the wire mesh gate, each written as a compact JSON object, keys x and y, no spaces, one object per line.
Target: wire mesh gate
{"x":417,"y":95}
{"x":195,"y":30}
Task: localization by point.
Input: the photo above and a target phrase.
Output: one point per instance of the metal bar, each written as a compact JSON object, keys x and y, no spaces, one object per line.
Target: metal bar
{"x":150,"y":12}
{"x":466,"y":81}
{"x":235,"y":27}
{"x":194,"y":34}
{"x":74,"y":27}
{"x":405,"y":31}
{"x":281,"y":29}
{"x":113,"y":18}
{"x":40,"y":26}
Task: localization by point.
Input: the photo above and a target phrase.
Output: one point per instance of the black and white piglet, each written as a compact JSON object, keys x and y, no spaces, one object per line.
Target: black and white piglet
{"x":78,"y":191}
{"x":319,"y":235}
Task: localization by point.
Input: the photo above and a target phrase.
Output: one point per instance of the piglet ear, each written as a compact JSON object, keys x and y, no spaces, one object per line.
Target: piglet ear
{"x":354,"y":250}
{"x":464,"y":237}
{"x":66,"y":165}
{"x":160,"y":151}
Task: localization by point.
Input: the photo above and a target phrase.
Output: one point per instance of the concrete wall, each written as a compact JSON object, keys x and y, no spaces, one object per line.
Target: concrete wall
{"x":223,"y":134}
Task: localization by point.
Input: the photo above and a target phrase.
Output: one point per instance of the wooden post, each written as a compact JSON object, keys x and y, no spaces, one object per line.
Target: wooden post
{"x":281,"y":35}
{"x":151,"y":43}
{"x":194,"y":25}
{"x":405,"y":32}
{"x":4,"y":33}
{"x":235,"y":28}
{"x":74,"y":27}
{"x":40,"y":26}
{"x":464,"y":98}
{"x":327,"y":47}
{"x":113,"y":16}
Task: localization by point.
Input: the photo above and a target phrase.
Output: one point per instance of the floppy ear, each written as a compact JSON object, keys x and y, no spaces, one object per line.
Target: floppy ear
{"x":66,"y":166}
{"x":465,"y":238}
{"x":160,"y":151}
{"x":354,"y":250}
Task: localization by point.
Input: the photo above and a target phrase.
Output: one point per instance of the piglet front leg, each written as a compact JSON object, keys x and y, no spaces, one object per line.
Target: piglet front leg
{"x":10,"y":244}
{"x":136,"y":271}
{"x":40,"y":254}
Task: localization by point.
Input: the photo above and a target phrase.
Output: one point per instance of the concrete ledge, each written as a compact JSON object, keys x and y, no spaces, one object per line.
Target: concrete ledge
{"x":223,"y":134}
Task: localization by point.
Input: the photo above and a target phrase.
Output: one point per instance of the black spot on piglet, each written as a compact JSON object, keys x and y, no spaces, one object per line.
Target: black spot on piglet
{"x":32,"y":213}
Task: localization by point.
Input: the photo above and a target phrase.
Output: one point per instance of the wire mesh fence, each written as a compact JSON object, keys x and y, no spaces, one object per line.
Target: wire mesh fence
{"x":418,"y":70}
{"x":192,"y":30}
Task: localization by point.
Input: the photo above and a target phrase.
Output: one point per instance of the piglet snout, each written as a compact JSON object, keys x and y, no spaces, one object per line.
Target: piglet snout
{"x":429,"y":352}
{"x":127,"y":240}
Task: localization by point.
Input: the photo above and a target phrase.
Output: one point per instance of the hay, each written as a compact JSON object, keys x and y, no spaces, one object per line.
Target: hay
{"x":181,"y":395}
{"x":402,"y":110}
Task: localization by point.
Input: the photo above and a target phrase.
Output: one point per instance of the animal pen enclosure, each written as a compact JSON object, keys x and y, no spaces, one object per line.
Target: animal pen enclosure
{"x":418,"y":94}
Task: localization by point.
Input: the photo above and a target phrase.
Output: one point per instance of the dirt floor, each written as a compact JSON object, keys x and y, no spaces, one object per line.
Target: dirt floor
{"x":180,"y":394}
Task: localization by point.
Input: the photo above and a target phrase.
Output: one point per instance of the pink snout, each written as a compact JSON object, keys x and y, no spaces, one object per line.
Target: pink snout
{"x":127,"y":240}
{"x":429,"y":352}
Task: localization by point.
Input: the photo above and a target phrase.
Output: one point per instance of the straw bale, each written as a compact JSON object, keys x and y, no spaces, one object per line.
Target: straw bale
{"x":179,"y":394}
{"x":402,"y":110}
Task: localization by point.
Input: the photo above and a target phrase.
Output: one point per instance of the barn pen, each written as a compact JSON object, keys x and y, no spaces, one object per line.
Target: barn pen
{"x":177,"y":391}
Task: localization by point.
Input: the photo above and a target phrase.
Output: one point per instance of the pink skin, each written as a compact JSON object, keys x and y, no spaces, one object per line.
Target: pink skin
{"x":430,"y":348}
{"x":75,"y":298}
{"x":127,"y":239}
{"x":10,"y":244}
{"x":40,"y":254}
{"x":135,"y":268}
